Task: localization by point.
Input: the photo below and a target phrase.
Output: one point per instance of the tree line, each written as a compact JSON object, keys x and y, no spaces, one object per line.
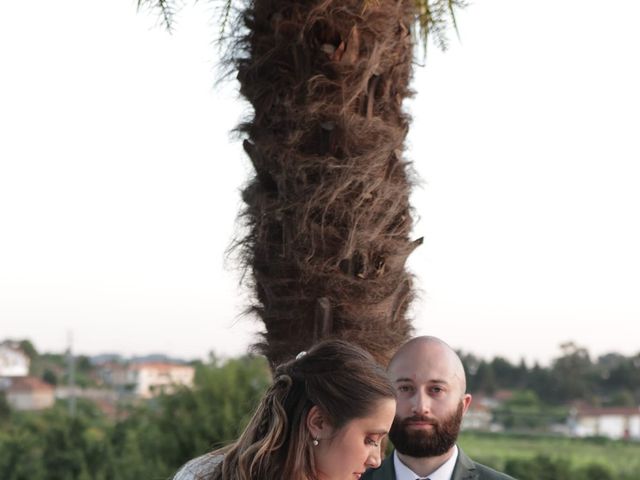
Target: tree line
{"x":609,"y":380}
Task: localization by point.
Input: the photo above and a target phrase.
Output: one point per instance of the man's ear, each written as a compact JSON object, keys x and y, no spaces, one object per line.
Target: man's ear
{"x":318,"y":423}
{"x":466,"y":401}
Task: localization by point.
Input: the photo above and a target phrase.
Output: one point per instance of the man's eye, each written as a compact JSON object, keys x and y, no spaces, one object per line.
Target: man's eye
{"x":404,"y":388}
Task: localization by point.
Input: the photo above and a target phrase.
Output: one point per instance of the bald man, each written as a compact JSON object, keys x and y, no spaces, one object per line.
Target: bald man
{"x":431,"y":385}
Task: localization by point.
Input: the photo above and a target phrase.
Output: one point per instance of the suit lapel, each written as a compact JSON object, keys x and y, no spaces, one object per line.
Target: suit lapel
{"x":465,"y":469}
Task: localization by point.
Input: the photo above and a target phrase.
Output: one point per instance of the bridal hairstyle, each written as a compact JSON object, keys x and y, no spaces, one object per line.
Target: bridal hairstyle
{"x":340,"y":378}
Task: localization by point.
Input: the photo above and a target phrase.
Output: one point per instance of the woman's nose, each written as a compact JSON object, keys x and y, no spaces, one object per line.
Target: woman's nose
{"x":374,"y":460}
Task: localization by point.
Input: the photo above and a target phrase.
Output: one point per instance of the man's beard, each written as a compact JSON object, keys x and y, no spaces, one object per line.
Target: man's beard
{"x":421,"y":443}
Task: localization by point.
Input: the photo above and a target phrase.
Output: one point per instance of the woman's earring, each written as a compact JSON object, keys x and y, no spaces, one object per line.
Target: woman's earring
{"x":315,"y":442}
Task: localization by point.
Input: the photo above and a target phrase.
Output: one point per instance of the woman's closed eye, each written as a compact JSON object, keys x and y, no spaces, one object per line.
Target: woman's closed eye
{"x":372,"y":442}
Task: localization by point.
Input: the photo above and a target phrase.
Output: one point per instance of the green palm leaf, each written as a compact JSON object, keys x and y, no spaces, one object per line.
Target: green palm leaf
{"x":433,"y":17}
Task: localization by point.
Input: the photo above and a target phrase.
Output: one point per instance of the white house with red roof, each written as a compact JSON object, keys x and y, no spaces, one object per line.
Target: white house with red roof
{"x":148,"y":379}
{"x":479,"y":416}
{"x":29,"y":393}
{"x":611,"y":422}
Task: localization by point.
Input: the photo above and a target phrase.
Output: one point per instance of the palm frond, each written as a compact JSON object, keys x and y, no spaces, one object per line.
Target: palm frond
{"x":226,"y":13}
{"x":452,"y":5}
{"x":433,"y":17}
{"x":166,"y":9}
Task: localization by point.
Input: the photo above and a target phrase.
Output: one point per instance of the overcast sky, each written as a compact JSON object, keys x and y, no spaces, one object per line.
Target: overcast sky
{"x":119,"y":181}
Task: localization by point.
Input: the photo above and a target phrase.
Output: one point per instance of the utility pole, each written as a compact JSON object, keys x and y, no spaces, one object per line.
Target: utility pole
{"x":71,"y":370}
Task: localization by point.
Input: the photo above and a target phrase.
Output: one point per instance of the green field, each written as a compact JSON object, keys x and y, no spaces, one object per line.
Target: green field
{"x":542,"y":457}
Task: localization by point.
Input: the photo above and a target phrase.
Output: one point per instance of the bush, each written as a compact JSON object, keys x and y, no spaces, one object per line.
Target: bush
{"x":595,"y":471}
{"x":541,"y":467}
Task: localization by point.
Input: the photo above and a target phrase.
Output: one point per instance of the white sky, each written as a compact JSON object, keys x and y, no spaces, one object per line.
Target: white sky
{"x":119,"y":182}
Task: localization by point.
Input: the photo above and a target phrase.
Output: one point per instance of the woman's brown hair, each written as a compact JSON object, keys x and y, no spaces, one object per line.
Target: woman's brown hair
{"x":339,"y":378}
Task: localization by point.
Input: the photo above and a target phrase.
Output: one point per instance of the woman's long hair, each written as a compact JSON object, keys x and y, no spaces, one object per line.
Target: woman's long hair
{"x":341,"y":379}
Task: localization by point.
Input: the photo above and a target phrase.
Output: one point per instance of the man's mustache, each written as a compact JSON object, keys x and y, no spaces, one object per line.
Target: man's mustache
{"x":419,"y":418}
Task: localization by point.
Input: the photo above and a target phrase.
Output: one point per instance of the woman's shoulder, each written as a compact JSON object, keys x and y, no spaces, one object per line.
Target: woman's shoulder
{"x":199,"y":468}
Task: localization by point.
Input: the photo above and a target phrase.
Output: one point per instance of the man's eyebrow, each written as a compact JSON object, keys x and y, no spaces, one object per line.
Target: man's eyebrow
{"x":403,"y":379}
{"x":437,"y":380}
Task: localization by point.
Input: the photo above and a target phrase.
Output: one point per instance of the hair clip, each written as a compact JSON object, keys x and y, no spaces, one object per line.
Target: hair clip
{"x":301,"y":354}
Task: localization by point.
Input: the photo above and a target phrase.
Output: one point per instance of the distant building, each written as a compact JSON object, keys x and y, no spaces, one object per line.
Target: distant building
{"x":611,"y":422}
{"x":502,"y":396}
{"x":105,"y":399}
{"x":112,"y":374}
{"x":13,"y":361}
{"x":148,"y":379}
{"x":29,"y":393}
{"x":478,"y":417}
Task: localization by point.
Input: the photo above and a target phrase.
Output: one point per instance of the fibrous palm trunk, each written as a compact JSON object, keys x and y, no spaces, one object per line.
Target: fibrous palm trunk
{"x":328,"y":211}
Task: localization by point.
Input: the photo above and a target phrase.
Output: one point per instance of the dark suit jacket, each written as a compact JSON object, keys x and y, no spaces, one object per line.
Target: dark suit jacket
{"x":465,"y":469}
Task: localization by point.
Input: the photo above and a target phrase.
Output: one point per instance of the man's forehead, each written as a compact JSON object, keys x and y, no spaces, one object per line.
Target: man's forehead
{"x":421,"y":368}
{"x":410,"y":372}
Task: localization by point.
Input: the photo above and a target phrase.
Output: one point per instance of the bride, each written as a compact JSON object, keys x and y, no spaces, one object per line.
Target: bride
{"x":323,"y":418}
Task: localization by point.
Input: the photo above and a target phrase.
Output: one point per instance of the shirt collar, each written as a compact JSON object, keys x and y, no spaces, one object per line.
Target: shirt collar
{"x":443,"y":472}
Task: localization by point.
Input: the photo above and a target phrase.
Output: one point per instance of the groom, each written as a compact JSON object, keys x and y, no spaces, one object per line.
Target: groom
{"x":430,"y":382}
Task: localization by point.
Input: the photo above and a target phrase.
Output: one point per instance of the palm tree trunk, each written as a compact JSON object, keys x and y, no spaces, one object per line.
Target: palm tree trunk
{"x":328,"y":211}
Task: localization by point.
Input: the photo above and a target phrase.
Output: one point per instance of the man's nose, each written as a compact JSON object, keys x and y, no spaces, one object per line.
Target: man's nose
{"x":421,"y":404}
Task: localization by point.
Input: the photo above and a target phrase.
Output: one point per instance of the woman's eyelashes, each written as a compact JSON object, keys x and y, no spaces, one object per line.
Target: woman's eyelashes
{"x":373,"y":442}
